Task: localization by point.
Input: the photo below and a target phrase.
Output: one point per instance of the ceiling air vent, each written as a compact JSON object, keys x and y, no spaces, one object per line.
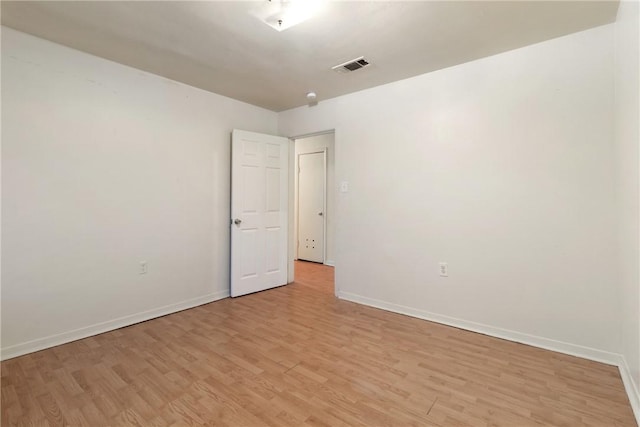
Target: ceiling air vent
{"x":354,"y":64}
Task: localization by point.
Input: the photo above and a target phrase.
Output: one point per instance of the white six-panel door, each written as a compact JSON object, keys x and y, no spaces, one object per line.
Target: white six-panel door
{"x":311,"y":221}
{"x":259,"y":208}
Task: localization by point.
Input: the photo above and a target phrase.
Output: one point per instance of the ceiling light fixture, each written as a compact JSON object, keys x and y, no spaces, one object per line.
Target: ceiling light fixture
{"x":283,"y":14}
{"x":312,"y":99}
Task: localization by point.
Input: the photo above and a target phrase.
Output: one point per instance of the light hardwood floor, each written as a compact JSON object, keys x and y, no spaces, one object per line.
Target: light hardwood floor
{"x":296,"y":355}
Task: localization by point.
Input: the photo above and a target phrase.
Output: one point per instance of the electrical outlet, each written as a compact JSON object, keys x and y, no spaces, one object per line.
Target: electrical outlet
{"x":443,"y":268}
{"x":143,"y":267}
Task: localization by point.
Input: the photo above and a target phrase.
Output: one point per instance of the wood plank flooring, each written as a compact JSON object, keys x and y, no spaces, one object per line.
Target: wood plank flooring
{"x":297,"y":356}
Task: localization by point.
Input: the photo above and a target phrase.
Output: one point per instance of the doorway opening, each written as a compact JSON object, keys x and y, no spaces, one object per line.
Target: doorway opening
{"x":318,"y":277}
{"x":314,"y":211}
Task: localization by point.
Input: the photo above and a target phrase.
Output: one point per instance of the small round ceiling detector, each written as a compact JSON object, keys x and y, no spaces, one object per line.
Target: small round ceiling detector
{"x":311,"y":96}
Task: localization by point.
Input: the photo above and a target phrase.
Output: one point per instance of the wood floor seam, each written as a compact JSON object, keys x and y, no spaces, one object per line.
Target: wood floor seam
{"x":432,"y":405}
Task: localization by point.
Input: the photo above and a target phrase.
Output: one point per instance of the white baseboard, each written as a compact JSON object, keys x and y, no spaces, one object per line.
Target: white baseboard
{"x":548,"y":344}
{"x":98,"y":328}
{"x":631,"y":387}
{"x":330,"y":262}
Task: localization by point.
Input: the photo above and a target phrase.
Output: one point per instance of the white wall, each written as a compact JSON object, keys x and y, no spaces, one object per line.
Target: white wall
{"x":502,"y":167}
{"x":313,"y":144}
{"x":627,"y":139}
{"x":104,"y":166}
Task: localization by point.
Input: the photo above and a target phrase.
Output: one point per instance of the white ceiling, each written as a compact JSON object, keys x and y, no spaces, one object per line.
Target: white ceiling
{"x":220,"y":47}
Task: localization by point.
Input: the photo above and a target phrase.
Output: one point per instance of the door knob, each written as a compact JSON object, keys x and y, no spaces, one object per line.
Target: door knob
{"x":320,"y":213}
{"x":237,"y":221}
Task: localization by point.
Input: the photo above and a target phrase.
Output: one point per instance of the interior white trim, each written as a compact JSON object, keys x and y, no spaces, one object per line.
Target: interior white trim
{"x":596,"y":355}
{"x":109,"y":325}
{"x":541,"y":342}
{"x":330,"y":262}
{"x":631,"y":387}
{"x":309,"y":135}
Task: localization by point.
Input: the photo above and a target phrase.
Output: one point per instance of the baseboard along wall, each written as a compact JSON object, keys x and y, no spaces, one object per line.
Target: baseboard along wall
{"x":110,"y":325}
{"x":596,"y":355}
{"x":562,"y":347}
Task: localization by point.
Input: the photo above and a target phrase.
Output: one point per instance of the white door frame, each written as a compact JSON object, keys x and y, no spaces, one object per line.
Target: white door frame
{"x":324,"y":203}
{"x":292,"y":170}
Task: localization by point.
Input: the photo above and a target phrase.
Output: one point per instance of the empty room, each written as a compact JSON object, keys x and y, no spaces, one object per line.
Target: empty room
{"x":320,"y":213}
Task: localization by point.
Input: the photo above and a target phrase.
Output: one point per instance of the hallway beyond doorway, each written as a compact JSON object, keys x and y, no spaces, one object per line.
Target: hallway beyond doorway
{"x":317,"y":276}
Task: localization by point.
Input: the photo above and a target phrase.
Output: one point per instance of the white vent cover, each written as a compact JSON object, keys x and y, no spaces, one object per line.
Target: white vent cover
{"x":352,"y":65}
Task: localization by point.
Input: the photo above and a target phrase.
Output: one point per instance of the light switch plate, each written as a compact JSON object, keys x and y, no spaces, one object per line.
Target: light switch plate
{"x":443,"y":268}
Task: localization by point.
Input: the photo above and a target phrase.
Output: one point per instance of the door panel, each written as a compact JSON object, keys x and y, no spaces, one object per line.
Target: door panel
{"x":259,"y":212}
{"x":311,"y":190}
